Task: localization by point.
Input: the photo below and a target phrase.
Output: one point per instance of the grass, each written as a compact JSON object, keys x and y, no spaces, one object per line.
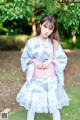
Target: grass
{"x":10,"y":69}
{"x":72,"y":112}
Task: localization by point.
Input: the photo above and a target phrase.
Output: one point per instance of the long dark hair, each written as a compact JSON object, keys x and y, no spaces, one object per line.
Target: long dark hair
{"x":53,"y":23}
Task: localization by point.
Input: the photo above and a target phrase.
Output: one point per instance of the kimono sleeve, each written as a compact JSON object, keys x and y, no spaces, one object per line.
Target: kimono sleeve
{"x":61,"y":62}
{"x":61,"y":59}
{"x":26,"y":56}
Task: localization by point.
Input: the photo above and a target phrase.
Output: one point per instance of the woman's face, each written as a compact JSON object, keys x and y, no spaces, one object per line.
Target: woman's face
{"x":46,"y":29}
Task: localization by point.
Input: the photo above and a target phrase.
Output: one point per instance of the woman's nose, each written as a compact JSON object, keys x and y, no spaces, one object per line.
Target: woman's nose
{"x":47,"y":29}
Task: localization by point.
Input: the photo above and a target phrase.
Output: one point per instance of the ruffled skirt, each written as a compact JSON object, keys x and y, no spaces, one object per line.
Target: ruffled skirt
{"x":42,"y":97}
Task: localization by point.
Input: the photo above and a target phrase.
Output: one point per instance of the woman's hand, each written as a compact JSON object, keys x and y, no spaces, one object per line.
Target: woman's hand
{"x":47,"y":63}
{"x":37,"y":63}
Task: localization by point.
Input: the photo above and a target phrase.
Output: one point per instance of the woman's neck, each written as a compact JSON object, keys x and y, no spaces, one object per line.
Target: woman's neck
{"x":43,"y":38}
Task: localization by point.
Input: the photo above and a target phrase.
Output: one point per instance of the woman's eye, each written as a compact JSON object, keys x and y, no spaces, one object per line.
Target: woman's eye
{"x":50,"y":28}
{"x":45,"y":26}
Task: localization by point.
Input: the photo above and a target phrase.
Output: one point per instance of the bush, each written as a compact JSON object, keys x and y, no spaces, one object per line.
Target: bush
{"x":68,"y":44}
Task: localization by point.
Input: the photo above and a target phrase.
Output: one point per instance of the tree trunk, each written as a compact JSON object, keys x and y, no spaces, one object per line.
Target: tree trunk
{"x":74,"y":39}
{"x":33,"y":26}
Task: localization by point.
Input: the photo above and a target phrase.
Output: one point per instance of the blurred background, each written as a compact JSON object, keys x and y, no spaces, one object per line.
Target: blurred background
{"x":18,"y":22}
{"x":19,"y":18}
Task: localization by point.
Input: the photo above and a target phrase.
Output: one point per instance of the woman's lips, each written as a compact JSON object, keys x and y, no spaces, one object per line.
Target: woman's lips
{"x":46,"y":34}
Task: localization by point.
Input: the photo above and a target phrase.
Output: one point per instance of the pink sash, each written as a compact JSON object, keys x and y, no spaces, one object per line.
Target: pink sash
{"x":44,"y":73}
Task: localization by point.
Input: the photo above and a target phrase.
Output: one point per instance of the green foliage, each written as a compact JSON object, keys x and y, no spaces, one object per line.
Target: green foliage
{"x":43,"y":7}
{"x":17,"y":10}
{"x":51,"y":6}
{"x":15,"y":16}
{"x":69,"y":16}
{"x":68,"y":44}
{"x":17,"y":27}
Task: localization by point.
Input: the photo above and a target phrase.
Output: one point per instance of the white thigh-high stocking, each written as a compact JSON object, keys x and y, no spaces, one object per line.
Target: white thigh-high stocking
{"x":56,"y":115}
{"x":30,"y":115}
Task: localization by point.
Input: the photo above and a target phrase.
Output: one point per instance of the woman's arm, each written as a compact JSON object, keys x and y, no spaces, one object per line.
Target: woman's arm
{"x":30,"y":61}
{"x":60,"y":59}
{"x":60,"y":63}
{"x":36,"y":62}
{"x":26,"y":56}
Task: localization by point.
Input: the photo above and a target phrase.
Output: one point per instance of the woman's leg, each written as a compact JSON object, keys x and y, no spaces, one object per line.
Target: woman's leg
{"x":30,"y":115}
{"x":56,"y":115}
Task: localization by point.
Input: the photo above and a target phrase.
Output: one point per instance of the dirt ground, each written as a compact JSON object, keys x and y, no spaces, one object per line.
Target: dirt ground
{"x":10,"y":71}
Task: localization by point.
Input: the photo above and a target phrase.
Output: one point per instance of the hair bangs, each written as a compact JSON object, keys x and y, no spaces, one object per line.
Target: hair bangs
{"x":49,"y":24}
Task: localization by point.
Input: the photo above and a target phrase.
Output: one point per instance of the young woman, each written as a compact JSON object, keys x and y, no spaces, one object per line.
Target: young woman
{"x":44,"y":61}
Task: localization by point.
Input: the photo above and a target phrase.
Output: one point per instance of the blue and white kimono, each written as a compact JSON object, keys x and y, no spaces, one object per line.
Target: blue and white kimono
{"x":45,"y":95}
